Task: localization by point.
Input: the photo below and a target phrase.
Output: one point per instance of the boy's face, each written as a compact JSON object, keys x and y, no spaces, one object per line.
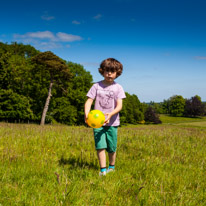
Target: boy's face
{"x":109,"y":76}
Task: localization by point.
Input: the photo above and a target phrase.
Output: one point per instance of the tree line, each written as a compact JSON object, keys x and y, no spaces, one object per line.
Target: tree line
{"x":41,"y":87}
{"x":34,"y":83}
{"x":179,"y":106}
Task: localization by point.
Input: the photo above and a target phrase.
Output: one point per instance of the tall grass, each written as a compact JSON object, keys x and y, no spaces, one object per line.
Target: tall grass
{"x":57,"y":165}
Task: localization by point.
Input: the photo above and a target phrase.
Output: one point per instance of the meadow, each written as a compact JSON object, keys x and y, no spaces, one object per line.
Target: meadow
{"x":57,"y":165}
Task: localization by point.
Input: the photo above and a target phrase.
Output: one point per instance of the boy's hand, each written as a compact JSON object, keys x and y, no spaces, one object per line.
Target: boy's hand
{"x":108,"y":117}
{"x":87,"y":108}
{"x":85,"y":118}
{"x":115,"y":111}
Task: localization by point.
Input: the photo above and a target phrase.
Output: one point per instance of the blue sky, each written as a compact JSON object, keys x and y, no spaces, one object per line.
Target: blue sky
{"x":161,"y":43}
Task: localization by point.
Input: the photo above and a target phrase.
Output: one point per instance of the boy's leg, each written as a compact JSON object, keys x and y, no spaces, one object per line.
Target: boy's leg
{"x":112,"y":158}
{"x":102,"y":157}
{"x":102,"y":161}
{"x":101,"y":144}
{"x":111,"y":147}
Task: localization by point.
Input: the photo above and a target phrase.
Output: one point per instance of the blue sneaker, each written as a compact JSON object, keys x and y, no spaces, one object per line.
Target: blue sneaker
{"x":110,"y":170}
{"x":102,"y":173}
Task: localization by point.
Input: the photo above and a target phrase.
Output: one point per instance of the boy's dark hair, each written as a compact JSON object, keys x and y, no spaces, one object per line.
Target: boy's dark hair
{"x":112,"y":65}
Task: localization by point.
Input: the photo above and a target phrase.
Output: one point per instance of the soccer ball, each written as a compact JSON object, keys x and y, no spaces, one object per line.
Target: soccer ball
{"x":95,"y":119}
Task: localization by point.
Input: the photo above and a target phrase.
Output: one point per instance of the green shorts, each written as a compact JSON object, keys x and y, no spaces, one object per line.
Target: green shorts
{"x":106,"y":138}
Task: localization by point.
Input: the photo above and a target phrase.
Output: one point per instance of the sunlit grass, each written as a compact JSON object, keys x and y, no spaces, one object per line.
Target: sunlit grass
{"x":57,"y":165}
{"x":176,"y":120}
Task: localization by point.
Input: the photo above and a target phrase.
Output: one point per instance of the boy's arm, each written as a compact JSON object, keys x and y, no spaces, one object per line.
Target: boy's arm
{"x":87,"y":108}
{"x":117,"y":109}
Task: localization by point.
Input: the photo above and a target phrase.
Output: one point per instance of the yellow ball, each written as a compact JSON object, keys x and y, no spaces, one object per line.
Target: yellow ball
{"x":96,"y":119}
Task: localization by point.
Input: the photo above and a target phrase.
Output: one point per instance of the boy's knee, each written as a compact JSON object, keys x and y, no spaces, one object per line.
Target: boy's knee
{"x":111,"y":150}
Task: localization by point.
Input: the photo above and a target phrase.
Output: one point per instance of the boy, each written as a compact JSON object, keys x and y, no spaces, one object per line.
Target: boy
{"x":108,"y":97}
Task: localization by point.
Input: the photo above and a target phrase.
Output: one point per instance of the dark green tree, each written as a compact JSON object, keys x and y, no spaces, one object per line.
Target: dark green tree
{"x":165,"y":106}
{"x":14,"y":106}
{"x":14,"y":65}
{"x":150,"y":115}
{"x":80,"y":85}
{"x":58,"y":72}
{"x":176,"y":105}
{"x":157,"y":107}
{"x":194,"y":107}
{"x":71,"y":105}
{"x":132,"y":111}
{"x":14,"y":72}
{"x":64,"y":112}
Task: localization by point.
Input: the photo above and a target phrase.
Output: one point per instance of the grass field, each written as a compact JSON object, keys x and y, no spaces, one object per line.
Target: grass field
{"x":57,"y":165}
{"x":166,"y":119}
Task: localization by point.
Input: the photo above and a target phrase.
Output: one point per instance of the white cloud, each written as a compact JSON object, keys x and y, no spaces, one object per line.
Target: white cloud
{"x":47,"y":40}
{"x":47,"y":35}
{"x":76,"y":22}
{"x":37,"y":35}
{"x":67,"y":37}
{"x":97,"y":17}
{"x":48,"y":45}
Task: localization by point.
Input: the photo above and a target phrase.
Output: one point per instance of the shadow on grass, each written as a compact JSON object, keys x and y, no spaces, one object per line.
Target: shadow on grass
{"x":78,"y":163}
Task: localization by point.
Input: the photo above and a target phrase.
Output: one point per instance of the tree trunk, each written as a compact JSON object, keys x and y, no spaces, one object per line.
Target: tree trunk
{"x":46,"y":106}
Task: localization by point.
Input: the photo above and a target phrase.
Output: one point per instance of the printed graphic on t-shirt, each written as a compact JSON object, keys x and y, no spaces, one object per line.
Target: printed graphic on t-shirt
{"x":106,"y":98}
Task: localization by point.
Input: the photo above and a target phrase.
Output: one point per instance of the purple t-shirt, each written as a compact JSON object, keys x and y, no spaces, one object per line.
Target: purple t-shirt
{"x":106,"y":99}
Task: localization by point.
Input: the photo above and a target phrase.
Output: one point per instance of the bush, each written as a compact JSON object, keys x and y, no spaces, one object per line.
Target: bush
{"x":14,"y":106}
{"x":151,"y":116}
{"x":194,"y":107}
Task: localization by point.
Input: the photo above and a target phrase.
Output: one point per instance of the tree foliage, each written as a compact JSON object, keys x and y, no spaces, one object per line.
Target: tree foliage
{"x":27,"y":76}
{"x":176,"y":105}
{"x":158,"y":107}
{"x":132,"y":111}
{"x":57,"y":71}
{"x":14,"y":106}
{"x":194,"y":107}
{"x":151,"y":116}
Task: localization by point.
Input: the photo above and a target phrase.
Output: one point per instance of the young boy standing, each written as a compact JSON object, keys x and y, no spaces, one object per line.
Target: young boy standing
{"x":108,"y":96}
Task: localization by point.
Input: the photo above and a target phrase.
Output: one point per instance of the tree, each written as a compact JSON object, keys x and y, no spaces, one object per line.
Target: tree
{"x":69,"y":108}
{"x":132,"y":111}
{"x":194,"y":107}
{"x":166,"y":106}
{"x":204,"y":103}
{"x":157,"y":107}
{"x":151,"y":116}
{"x":15,"y":66}
{"x":15,"y":70}
{"x":64,"y":112}
{"x":14,"y":106}
{"x":78,"y":88}
{"x":58,"y":73}
{"x":176,"y":105}
{"x":25,"y":51}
